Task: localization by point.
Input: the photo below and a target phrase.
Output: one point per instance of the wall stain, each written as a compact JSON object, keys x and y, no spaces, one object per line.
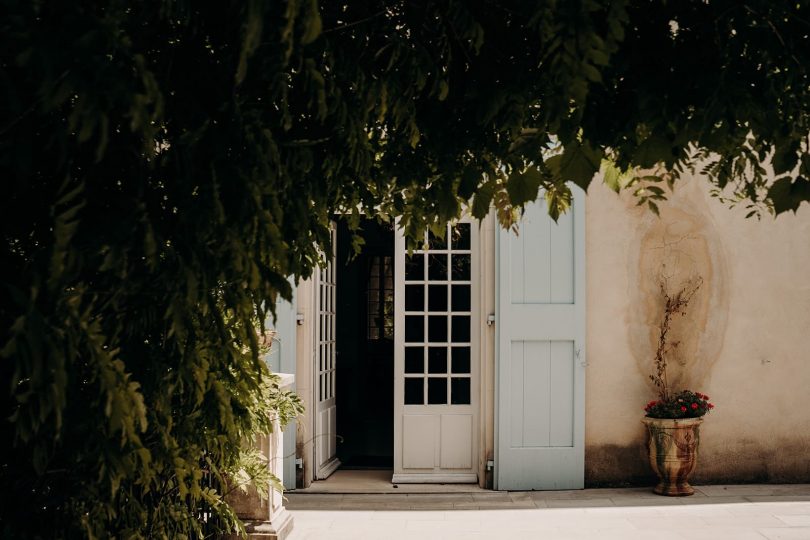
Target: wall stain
{"x":735,"y":462}
{"x":680,"y":245}
{"x":611,"y":465}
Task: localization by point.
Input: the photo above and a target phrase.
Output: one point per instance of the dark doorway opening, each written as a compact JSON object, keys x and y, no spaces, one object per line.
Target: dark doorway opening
{"x":365,"y":347}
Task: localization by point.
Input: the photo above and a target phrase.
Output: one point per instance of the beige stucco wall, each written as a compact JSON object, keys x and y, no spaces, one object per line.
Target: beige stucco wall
{"x":304,"y":379}
{"x":745,"y":339}
{"x":487,"y":340}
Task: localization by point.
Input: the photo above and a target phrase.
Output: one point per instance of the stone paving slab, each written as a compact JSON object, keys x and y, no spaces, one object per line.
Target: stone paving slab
{"x":758,"y":512}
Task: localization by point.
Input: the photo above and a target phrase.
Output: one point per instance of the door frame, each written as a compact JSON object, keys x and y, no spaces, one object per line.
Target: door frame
{"x":471,"y":475}
{"x":323,"y":470}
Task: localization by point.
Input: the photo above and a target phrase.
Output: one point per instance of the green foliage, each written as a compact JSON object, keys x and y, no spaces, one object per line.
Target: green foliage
{"x":168,"y":165}
{"x":726,"y":99}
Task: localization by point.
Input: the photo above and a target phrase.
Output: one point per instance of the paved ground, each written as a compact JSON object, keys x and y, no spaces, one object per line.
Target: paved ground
{"x":751,"y":512}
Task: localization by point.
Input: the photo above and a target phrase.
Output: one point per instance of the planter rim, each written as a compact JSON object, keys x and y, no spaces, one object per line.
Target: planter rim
{"x":672,"y":422}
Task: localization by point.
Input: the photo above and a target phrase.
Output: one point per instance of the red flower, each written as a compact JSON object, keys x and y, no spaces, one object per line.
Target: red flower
{"x":711,"y":406}
{"x":694,"y":405}
{"x":683,"y":409}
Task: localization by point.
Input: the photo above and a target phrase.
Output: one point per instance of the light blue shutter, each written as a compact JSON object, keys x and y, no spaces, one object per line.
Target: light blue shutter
{"x":281,"y":359}
{"x":541,"y":351}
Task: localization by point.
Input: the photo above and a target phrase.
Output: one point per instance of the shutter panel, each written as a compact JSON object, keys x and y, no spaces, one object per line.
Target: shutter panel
{"x":541,"y":351}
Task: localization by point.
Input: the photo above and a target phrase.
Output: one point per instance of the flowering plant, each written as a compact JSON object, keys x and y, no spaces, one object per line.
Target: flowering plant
{"x":686,"y":404}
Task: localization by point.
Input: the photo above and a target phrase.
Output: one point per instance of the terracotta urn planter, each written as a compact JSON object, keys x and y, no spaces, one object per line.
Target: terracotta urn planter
{"x":672,"y":445}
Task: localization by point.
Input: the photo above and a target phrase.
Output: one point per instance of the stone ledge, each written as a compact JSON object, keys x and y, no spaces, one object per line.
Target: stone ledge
{"x":278,"y":529}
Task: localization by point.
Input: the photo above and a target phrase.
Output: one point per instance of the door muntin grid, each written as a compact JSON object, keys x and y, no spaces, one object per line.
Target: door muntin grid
{"x":326,"y":333}
{"x":438,"y":320}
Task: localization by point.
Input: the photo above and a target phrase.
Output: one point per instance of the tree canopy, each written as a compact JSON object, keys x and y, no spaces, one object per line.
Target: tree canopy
{"x":168,"y":165}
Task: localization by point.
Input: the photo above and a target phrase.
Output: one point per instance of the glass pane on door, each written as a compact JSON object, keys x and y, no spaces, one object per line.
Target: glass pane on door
{"x":438,"y":320}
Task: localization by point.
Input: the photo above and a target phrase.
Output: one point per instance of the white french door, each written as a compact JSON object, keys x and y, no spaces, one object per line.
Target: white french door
{"x":541,"y":351}
{"x":325,"y":363}
{"x":435,"y":359}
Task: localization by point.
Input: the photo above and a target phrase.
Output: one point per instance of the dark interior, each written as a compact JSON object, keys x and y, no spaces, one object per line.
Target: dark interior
{"x":365,"y":348}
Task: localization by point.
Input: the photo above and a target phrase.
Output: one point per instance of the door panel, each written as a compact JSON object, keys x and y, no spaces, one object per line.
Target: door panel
{"x":538,"y":364}
{"x":418,"y":441}
{"x":456,"y":428}
{"x":325,"y":362}
{"x":436,"y":359}
{"x":540,"y":351}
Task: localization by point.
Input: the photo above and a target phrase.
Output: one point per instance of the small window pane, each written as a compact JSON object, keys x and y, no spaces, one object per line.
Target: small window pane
{"x":414,"y":297}
{"x":461,"y":298}
{"x":434,"y":242}
{"x":437,"y":328}
{"x":414,"y":329}
{"x":461,"y":267}
{"x":414,"y":267}
{"x":437,"y":267}
{"x":437,"y":391}
{"x":373,"y":280}
{"x":437,"y":297}
{"x":414,"y":391}
{"x":461,"y":329}
{"x":437,"y":360}
{"x":461,"y":236}
{"x":414,"y":360}
{"x":460,"y":391}
{"x":461,"y":359}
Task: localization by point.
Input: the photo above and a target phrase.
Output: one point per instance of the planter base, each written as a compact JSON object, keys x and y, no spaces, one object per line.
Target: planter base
{"x":673,"y":446}
{"x":674,"y":490}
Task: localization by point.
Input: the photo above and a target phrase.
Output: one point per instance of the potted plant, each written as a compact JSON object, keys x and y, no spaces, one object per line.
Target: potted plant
{"x":673,"y":420}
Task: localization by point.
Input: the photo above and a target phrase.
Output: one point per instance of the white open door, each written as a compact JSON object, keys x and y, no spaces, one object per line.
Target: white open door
{"x":435,"y":359}
{"x":541,"y":351}
{"x":325,"y":363}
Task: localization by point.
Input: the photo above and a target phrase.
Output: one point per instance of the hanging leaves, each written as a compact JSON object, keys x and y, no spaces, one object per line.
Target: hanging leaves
{"x":522,"y":187}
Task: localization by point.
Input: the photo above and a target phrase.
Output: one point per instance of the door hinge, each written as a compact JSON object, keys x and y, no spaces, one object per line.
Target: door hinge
{"x":491,"y":319}
{"x":299,"y":319}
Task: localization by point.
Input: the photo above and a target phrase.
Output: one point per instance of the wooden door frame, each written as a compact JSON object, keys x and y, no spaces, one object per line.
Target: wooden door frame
{"x":476,"y":321}
{"x":321,"y":472}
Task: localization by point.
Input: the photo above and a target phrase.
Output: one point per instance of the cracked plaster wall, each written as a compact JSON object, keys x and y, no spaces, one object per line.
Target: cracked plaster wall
{"x":745,"y":339}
